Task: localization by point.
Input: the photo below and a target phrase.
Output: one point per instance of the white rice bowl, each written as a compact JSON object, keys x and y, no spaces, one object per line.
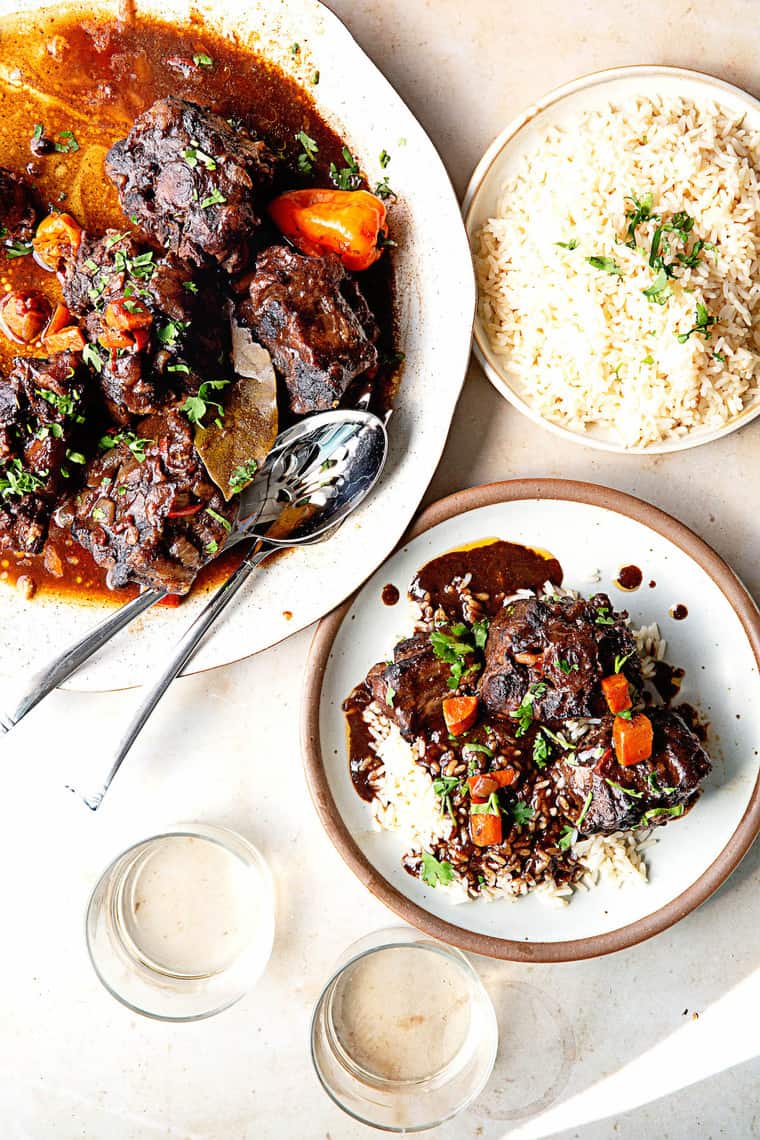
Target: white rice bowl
{"x":585,"y":347}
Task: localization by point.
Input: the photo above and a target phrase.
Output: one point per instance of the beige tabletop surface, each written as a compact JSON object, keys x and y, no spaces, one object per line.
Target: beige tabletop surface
{"x":658,"y":1041}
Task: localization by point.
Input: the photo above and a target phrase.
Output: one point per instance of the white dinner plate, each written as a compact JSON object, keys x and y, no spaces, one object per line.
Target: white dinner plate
{"x":593,"y":532}
{"x":562,"y":107}
{"x":436,"y":295}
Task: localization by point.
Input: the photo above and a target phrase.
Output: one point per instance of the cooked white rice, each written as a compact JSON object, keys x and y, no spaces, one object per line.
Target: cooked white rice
{"x":586,"y":347}
{"x":406,"y":804}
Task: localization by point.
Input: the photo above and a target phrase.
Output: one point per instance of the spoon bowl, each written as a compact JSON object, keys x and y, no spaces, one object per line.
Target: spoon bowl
{"x":318,"y":472}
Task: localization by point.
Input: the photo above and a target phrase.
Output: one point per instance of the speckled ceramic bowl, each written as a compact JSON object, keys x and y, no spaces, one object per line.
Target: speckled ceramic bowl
{"x":436,"y":293}
{"x":562,"y":107}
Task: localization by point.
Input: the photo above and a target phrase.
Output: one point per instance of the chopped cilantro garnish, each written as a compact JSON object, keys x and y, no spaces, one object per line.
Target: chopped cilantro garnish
{"x":215,"y":198}
{"x":703,"y":323}
{"x":654,"y":786}
{"x":490,"y":807}
{"x":390,"y":695}
{"x":541,"y":750}
{"x":91,"y":356}
{"x":626,"y":791}
{"x":16,"y":481}
{"x":584,"y":809}
{"x":620,"y":661}
{"x":657,"y":813}
{"x":435,"y":872}
{"x":66,"y":405}
{"x":196,"y":407}
{"x":567,"y":837}
{"x":242,"y":475}
{"x":310,"y":147}
{"x":193,"y":155}
{"x":572,"y":244}
{"x":523,"y":714}
{"x":659,"y":291}
{"x":169,"y":333}
{"x":521,"y":812}
{"x":202,"y":60}
{"x":219,"y":518}
{"x":18,"y":249}
{"x":603,"y":616}
{"x":605,"y":265}
{"x":383,"y":190}
{"x":480,"y":632}
{"x":641,"y":212}
{"x":134,"y":442}
{"x":212,"y":547}
{"x":473,"y":747}
{"x":346,"y":177}
{"x":67,"y":143}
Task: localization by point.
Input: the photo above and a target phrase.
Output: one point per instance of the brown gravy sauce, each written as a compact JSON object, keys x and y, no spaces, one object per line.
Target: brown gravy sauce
{"x":390,"y":595}
{"x":496,"y":568}
{"x":629,"y":578}
{"x":679,"y":612}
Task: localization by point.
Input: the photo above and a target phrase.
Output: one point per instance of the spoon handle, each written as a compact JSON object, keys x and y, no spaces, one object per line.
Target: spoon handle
{"x":56,"y":671}
{"x":181,"y":654}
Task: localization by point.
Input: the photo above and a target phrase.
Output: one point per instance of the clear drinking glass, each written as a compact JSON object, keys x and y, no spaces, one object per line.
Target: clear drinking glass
{"x":181,"y":925}
{"x":404,"y":1035}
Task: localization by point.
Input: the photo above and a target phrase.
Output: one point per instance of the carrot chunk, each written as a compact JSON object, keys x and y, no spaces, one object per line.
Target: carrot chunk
{"x":632,"y":739}
{"x":615,"y":689}
{"x":485,"y":784}
{"x":460,"y":713}
{"x":485,"y":829}
{"x":69,"y":339}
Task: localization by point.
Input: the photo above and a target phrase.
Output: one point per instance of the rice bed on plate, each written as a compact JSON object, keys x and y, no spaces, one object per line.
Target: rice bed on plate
{"x":620,"y":279}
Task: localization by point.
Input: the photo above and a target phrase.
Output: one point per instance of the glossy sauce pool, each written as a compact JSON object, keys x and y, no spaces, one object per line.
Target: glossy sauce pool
{"x":92,"y":77}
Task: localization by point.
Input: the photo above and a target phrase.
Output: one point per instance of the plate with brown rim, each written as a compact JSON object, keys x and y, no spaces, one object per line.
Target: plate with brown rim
{"x":593,"y":532}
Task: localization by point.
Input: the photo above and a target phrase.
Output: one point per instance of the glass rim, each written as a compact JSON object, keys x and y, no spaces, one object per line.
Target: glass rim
{"x":211,"y":833}
{"x":425,"y":941}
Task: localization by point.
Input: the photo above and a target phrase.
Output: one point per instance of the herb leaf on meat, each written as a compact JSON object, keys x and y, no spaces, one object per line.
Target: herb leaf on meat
{"x":134,"y":442}
{"x":626,"y":791}
{"x":523,"y":714}
{"x":584,"y":809}
{"x":16,"y":481}
{"x":659,"y":812}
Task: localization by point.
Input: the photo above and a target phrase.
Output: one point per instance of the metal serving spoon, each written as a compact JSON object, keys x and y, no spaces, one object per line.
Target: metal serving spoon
{"x":337,"y":455}
{"x":316,"y":476}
